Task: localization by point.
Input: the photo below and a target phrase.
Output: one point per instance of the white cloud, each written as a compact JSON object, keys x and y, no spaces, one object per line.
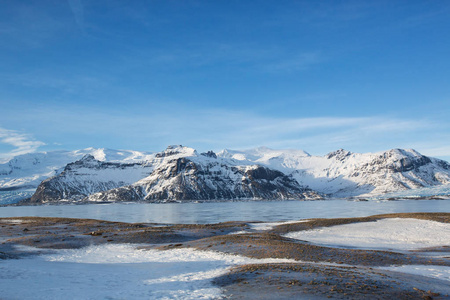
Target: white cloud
{"x":22,"y":142}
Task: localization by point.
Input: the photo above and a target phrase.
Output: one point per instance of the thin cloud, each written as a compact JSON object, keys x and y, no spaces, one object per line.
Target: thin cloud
{"x":154,"y":127}
{"x":78,"y":12}
{"x":251,"y":57}
{"x":23,"y":143}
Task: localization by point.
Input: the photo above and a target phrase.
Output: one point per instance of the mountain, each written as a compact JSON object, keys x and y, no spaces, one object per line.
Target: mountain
{"x":342,"y":173}
{"x":88,"y":176}
{"x":178,"y":173}
{"x":29,"y":170}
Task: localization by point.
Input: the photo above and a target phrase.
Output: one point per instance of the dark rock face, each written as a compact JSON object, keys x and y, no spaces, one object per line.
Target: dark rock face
{"x":443,"y":164}
{"x":340,"y":154}
{"x":184,"y":179}
{"x":406,"y":163}
{"x":209,"y":154}
{"x":46,"y":192}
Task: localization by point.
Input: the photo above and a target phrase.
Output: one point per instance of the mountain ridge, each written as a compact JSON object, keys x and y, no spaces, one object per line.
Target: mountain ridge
{"x":344,"y":173}
{"x":340,"y":173}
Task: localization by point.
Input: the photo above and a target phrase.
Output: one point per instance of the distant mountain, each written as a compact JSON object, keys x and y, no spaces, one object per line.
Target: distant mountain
{"x":87,"y":176}
{"x":29,"y":170}
{"x":178,"y":173}
{"x":342,"y":173}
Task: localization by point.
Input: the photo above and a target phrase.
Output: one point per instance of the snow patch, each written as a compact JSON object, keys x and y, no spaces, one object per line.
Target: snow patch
{"x":439,"y":272}
{"x":12,"y":221}
{"x":119,"y":272}
{"x":270,"y":226}
{"x":392,"y":234}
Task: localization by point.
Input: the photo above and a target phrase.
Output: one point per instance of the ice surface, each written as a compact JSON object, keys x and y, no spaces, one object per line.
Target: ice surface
{"x":393,"y":234}
{"x":118,"y":272}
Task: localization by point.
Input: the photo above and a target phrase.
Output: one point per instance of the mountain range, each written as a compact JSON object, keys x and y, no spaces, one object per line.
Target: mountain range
{"x":182,"y":174}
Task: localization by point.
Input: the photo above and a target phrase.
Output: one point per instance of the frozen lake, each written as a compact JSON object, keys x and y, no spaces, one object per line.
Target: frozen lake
{"x":214,"y":212}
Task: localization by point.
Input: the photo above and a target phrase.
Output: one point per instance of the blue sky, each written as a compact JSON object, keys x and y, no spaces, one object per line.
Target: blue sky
{"x":315,"y":75}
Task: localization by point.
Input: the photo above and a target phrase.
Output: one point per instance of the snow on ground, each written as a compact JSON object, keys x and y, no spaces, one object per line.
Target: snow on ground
{"x":269,"y":226}
{"x":265,"y":226}
{"x":12,"y":221}
{"x":393,"y":234}
{"x":118,"y":272}
{"x":439,"y":272}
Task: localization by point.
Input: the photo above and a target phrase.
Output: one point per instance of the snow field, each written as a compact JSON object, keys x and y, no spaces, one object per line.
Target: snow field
{"x":439,"y":272}
{"x":386,"y":234}
{"x":119,"y":272}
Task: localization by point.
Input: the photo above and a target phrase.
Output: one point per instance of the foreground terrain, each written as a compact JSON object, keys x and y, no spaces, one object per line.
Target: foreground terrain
{"x":237,"y":260}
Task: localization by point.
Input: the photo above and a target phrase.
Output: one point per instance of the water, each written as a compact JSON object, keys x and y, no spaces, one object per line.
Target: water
{"x":214,"y":212}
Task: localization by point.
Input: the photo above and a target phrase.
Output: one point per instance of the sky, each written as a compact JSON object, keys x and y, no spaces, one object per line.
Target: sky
{"x":366,"y":76}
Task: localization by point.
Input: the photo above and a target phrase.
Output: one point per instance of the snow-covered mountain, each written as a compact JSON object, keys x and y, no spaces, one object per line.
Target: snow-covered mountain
{"x":29,"y":170}
{"x":342,"y":173}
{"x":87,"y":176}
{"x":178,"y":173}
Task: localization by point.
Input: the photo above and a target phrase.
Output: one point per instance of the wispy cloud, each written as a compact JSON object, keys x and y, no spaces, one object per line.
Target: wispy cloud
{"x":23,"y":143}
{"x":78,"y":12}
{"x":248,"y":56}
{"x":312,"y":134}
{"x":153,"y":127}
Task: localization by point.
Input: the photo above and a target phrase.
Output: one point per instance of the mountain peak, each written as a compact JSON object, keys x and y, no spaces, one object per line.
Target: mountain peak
{"x":404,"y":152}
{"x":173,"y":150}
{"x":339,"y":154}
{"x":88,"y":157}
{"x":172,"y":147}
{"x":209,"y":154}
